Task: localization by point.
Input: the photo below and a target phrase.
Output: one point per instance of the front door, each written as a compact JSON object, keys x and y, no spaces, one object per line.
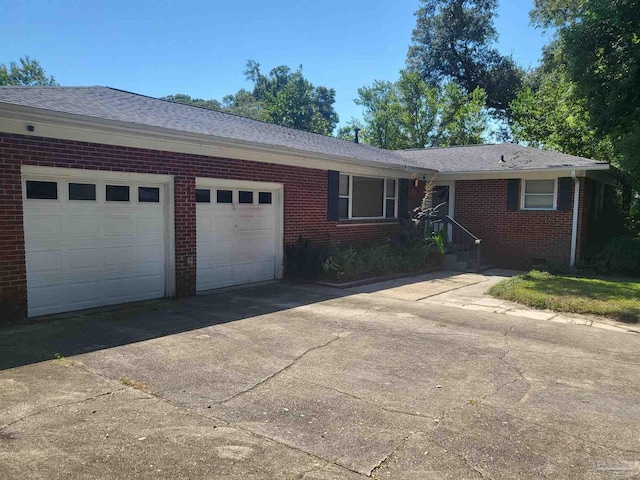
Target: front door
{"x":441,"y":202}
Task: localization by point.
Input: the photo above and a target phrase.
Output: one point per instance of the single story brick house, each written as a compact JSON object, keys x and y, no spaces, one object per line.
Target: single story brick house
{"x":108,"y":197}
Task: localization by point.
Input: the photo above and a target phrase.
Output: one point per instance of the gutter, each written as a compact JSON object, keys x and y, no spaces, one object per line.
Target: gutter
{"x":574,"y":225}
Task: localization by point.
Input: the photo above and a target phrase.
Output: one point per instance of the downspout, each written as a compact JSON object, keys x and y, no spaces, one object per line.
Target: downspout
{"x":576,"y":211}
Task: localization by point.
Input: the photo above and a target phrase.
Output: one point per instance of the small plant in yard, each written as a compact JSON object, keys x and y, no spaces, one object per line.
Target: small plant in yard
{"x":127,"y":382}
{"x":609,"y":297}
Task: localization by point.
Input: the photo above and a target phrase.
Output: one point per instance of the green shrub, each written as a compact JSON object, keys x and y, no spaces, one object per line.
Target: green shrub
{"x":622,"y":255}
{"x":353,"y":263}
{"x":303,"y":259}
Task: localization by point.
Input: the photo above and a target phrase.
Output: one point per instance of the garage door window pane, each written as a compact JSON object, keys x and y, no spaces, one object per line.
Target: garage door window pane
{"x":264,"y":198}
{"x":245,"y":197}
{"x":224,"y":196}
{"x":367,"y":197}
{"x":148,"y":194}
{"x":42,"y":190}
{"x":117,"y":193}
{"x":82,"y":191}
{"x":203,"y":195}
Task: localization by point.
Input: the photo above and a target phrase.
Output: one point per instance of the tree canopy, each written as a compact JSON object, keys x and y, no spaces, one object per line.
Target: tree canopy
{"x":600,"y":45}
{"x":28,"y":73}
{"x":283,"y":96}
{"x":455,"y":40}
{"x":410,"y":113}
{"x":549,"y":114}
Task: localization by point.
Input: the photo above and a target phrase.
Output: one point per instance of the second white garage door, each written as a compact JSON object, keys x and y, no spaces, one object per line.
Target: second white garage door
{"x":238,"y":238}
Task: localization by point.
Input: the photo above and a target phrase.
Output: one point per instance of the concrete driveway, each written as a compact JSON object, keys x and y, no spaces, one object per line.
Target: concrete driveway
{"x":300,"y":382}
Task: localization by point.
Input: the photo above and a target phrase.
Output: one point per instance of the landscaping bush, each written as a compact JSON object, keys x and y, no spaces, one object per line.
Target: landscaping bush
{"x":353,"y":263}
{"x":303,"y":259}
{"x":622,"y":255}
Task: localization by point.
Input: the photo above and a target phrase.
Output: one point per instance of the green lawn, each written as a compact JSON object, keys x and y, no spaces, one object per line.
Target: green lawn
{"x":618,"y":299}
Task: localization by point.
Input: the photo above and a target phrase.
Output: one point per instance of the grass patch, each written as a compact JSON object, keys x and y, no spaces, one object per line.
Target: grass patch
{"x":613,"y":298}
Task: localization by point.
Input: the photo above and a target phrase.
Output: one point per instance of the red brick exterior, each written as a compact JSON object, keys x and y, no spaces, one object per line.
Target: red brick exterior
{"x":510,"y":238}
{"x":305,"y":201}
{"x":513,"y":239}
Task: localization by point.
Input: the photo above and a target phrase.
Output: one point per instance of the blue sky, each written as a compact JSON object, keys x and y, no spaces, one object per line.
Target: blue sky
{"x":200,"y":48}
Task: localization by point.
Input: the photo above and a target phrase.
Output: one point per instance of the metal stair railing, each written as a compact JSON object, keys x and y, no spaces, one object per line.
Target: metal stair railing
{"x":464,"y":243}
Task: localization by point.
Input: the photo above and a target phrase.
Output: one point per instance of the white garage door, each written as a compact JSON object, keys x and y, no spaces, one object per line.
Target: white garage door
{"x":91,"y":243}
{"x":237,"y":234}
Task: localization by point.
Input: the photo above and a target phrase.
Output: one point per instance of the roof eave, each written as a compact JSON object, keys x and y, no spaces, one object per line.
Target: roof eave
{"x":54,"y":124}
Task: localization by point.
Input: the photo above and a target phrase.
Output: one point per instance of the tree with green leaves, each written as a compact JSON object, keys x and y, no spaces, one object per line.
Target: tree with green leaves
{"x":600,"y":41}
{"x":196,"y":102}
{"x":413,"y":114}
{"x":28,"y":73}
{"x":283,"y":96}
{"x":455,"y":40}
{"x":549,"y":114}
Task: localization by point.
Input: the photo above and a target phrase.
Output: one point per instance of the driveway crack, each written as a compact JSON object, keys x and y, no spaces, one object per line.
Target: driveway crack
{"x":386,"y":459}
{"x":58,"y":405}
{"x":364,"y":400}
{"x":282,"y":370}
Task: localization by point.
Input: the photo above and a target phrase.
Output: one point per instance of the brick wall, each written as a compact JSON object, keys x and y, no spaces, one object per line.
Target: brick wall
{"x":514,"y":239}
{"x":305,"y":201}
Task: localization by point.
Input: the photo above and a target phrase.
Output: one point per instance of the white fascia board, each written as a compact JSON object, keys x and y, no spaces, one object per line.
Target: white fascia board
{"x":541,"y":173}
{"x":50,"y":124}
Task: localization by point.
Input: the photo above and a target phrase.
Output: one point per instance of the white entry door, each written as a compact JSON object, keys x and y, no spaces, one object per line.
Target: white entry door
{"x":237,"y":233}
{"x":92,"y":242}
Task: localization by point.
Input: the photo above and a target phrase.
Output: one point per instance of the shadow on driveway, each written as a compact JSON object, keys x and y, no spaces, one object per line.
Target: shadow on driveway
{"x":86,"y":331}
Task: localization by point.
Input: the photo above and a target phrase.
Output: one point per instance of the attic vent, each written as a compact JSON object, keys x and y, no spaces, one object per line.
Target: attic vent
{"x":501,"y":158}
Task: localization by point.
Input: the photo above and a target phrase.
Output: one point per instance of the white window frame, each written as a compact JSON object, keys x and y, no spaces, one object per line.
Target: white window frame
{"x":523,"y":194}
{"x":384,"y":198}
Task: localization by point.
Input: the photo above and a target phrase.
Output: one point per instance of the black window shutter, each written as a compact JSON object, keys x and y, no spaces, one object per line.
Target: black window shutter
{"x":565,"y":185}
{"x":333,"y":195}
{"x":513,"y":194}
{"x":403,"y":198}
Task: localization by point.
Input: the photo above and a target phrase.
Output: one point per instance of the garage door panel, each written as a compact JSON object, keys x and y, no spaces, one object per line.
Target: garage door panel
{"x":44,"y":226}
{"x":82,"y":226}
{"x":224,"y":252}
{"x":236,"y":243}
{"x":81,"y":293}
{"x":46,"y":262}
{"x":83,"y":260}
{"x":46,"y":299}
{"x":119,"y":258}
{"x":83,"y":254}
{"x":150,"y":256}
{"x":149,"y":226}
{"x":222,"y":223}
{"x":117,"y":226}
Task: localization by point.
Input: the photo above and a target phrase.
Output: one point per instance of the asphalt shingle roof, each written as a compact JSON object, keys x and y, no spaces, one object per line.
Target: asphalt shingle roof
{"x":493,"y":158}
{"x":134,"y":109}
{"x":112,"y":104}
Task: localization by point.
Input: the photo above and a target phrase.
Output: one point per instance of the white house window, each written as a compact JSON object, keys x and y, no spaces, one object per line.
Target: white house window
{"x":539,"y":194}
{"x":367,"y":197}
